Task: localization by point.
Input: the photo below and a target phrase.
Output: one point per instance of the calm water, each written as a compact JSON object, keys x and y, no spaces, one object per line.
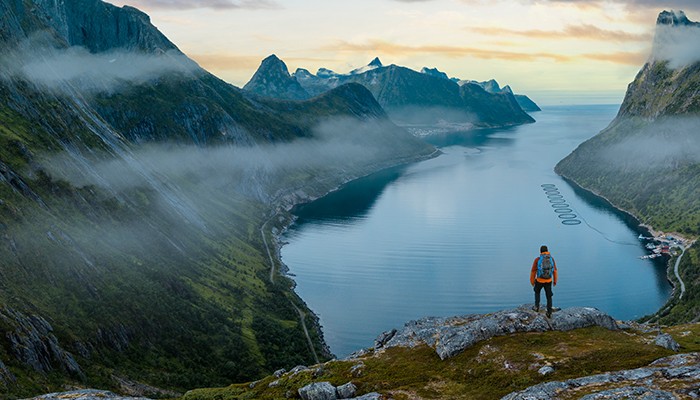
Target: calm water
{"x":457,"y":235}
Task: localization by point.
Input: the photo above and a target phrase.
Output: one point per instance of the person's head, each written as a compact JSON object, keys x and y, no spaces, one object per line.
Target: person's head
{"x":543,"y":249}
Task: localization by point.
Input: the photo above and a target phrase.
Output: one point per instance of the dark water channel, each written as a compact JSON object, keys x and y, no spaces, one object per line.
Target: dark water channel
{"x":457,"y":234}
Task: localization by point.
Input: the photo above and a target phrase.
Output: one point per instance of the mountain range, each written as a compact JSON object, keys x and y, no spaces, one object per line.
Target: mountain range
{"x":139,"y":200}
{"x":646,"y":161}
{"x":408,"y":96}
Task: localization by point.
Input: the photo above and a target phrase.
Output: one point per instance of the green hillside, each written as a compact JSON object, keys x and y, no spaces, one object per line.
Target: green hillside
{"x":136,"y":212}
{"x":646,"y":162}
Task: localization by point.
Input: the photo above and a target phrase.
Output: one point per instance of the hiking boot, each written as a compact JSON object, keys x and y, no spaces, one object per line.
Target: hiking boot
{"x":536,"y":308}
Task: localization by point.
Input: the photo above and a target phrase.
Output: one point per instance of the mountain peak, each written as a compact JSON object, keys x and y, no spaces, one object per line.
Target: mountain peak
{"x":674,"y":18}
{"x":272,"y":79}
{"x":272,"y":62}
{"x":375,"y":63}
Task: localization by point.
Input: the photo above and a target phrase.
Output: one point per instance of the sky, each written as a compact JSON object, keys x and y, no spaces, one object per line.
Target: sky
{"x":555,"y":51}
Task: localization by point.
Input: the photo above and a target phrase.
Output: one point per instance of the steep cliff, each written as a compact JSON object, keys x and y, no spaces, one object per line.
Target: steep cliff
{"x":646,"y":161}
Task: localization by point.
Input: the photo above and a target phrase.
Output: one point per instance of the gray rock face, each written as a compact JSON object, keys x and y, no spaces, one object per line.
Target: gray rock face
{"x":86,"y":394}
{"x":666,"y":341}
{"x":630,"y":392}
{"x":450,"y":336}
{"x":679,"y":371}
{"x":318,"y":391}
{"x":75,"y":24}
{"x":369,"y":396}
{"x":32,"y":342}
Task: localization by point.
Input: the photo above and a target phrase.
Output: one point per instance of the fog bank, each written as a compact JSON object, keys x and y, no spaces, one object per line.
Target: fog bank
{"x":76,"y":69}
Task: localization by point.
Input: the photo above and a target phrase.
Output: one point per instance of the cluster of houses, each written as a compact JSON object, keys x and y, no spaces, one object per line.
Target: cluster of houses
{"x":663,"y":244}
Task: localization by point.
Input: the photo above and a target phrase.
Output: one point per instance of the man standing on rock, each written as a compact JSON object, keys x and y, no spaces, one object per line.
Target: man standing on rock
{"x":542,"y":275}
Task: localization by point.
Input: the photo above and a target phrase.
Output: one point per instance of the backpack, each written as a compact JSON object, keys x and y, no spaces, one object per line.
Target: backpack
{"x":545,"y":266}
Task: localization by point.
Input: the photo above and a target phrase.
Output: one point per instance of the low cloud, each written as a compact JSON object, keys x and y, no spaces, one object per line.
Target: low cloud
{"x":679,"y":45}
{"x":255,"y":171}
{"x":665,"y":144}
{"x":75,"y":68}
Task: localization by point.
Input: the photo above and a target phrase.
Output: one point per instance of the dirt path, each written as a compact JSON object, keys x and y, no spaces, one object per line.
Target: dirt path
{"x":302,"y":315}
{"x":675,"y":271}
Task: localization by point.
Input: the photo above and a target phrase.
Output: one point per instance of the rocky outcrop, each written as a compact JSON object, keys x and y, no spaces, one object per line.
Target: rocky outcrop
{"x":85,"y":394}
{"x":667,"y":378}
{"x":450,"y":336}
{"x":33,"y":343}
{"x":326,"y":391}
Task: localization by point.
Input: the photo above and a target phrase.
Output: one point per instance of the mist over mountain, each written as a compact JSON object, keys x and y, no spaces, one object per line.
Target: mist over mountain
{"x":646,"y":161}
{"x":409,"y":97}
{"x":139,"y":197}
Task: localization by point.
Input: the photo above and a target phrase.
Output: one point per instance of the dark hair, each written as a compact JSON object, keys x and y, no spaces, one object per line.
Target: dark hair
{"x":543,"y":248}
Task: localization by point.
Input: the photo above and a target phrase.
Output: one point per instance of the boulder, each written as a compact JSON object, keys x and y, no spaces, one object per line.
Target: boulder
{"x":546,"y":370}
{"x":318,"y":391}
{"x":667,"y":342}
{"x":346,"y":391}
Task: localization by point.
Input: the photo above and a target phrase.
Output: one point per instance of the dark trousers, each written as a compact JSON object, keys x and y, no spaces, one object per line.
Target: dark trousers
{"x":547,"y":292}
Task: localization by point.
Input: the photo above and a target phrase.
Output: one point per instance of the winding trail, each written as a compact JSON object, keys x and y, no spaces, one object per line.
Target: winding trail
{"x":302,"y":315}
{"x":269,"y":253}
{"x":675,"y":271}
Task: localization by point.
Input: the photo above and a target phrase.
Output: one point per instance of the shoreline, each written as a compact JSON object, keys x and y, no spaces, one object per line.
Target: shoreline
{"x":281,"y":218}
{"x":687,"y":242}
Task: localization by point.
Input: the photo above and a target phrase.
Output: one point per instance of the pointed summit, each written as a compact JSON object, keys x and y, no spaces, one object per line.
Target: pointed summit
{"x":375,"y":63}
{"x":272,"y":79}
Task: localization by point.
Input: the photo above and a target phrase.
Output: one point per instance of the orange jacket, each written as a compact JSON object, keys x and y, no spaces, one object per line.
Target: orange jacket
{"x":533,"y":272}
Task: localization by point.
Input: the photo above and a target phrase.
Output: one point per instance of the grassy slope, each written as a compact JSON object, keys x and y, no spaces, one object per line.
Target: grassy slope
{"x":166,"y":304}
{"x":489,"y":370}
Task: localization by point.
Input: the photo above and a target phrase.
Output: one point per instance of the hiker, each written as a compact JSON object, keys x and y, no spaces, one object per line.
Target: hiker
{"x":543,"y":275}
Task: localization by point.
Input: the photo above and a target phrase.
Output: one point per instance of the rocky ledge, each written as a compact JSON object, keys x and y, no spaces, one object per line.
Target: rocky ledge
{"x":86,"y":394}
{"x":450,"y":336}
{"x":673,"y":377}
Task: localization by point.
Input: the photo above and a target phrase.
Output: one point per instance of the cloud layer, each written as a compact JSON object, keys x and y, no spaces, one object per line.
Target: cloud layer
{"x":76,"y":68}
{"x":680,"y":45}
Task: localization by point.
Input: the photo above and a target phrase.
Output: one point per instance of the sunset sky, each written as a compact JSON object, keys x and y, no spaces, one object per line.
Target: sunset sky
{"x":556,"y":51}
